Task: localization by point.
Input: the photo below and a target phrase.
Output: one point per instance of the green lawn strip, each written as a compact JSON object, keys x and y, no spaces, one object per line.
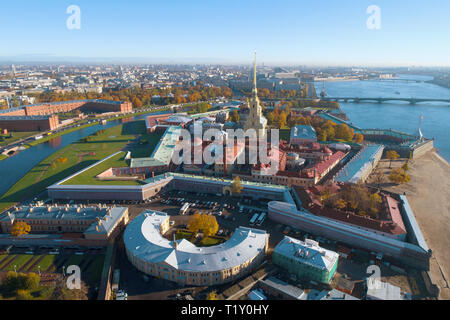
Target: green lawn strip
{"x":32,"y":267}
{"x":29,"y":263}
{"x":75,"y":259}
{"x":86,"y":262}
{"x":3,"y":157}
{"x":99,"y":147}
{"x":89,"y":177}
{"x":211,"y":241}
{"x":7,"y":261}
{"x":3,"y":257}
{"x":94,"y":270}
{"x":16,"y":136}
{"x":45,"y":263}
{"x":19,"y":262}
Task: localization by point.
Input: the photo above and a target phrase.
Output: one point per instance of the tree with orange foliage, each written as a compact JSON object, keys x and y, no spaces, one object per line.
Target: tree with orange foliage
{"x":20,"y":228}
{"x":358,"y":138}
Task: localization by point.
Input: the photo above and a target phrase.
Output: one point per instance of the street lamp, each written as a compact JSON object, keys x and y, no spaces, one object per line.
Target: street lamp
{"x":39,"y":270}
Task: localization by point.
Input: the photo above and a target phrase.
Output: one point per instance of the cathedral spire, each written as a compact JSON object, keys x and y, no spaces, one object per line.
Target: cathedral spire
{"x":255,"y":90}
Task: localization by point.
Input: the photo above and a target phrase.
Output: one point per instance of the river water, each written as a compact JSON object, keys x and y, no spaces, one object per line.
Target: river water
{"x":399,"y":116}
{"x":15,"y":167}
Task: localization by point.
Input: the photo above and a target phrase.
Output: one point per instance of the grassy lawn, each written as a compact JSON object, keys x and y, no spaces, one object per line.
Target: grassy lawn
{"x":95,"y":270}
{"x":205,"y":242}
{"x":79,"y":155}
{"x":3,"y":259}
{"x":210,"y":241}
{"x":18,"y":262}
{"x":89,"y":177}
{"x":45,"y":263}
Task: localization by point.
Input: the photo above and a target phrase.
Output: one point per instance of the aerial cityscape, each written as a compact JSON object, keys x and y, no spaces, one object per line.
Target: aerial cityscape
{"x":257,"y":171}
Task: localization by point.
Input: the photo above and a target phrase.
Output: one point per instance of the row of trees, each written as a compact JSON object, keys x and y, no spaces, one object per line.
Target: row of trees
{"x":265,"y":93}
{"x":326,"y":130}
{"x":142,"y":97}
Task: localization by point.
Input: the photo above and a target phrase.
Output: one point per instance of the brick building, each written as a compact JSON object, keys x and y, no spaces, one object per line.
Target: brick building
{"x":21,"y":119}
{"x":29,"y":123}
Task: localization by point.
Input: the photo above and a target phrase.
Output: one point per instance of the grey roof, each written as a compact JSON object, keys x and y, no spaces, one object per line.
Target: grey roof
{"x":33,"y":118}
{"x":163,"y":152}
{"x":383,"y":291}
{"x":359,"y":164}
{"x":108,"y":222}
{"x":411,"y":221}
{"x":107,"y":215}
{"x":330,"y":295}
{"x":303,"y":132}
{"x":308,"y":252}
{"x":281,"y":286}
{"x":143,"y":240}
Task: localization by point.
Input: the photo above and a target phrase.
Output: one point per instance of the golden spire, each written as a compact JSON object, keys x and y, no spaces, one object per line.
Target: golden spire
{"x":255,"y":90}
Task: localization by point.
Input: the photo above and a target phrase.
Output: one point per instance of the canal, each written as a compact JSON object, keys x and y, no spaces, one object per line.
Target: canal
{"x":15,"y":167}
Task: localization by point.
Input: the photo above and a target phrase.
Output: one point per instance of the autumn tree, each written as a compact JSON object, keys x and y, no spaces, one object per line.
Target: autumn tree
{"x":137,"y":103}
{"x":358,"y":138}
{"x":282,"y":120}
{"x":212,"y":296}
{"x":392,"y":155}
{"x":234,"y":116}
{"x":405,"y":167}
{"x":343,"y":132}
{"x":204,"y":222}
{"x":19,"y":228}
{"x":340,"y":204}
{"x":236,"y":185}
{"x":399,"y":176}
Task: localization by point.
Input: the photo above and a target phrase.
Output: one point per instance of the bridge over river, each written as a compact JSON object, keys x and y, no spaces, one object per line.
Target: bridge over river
{"x":383,"y":100}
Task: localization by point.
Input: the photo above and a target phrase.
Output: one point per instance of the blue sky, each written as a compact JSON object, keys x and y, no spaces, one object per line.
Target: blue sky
{"x":318,"y":32}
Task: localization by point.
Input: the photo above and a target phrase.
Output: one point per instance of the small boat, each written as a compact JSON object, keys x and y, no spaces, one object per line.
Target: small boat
{"x":396,"y":92}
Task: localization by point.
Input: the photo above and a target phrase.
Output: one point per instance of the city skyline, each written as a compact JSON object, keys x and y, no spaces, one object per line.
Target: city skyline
{"x":287,"y":33}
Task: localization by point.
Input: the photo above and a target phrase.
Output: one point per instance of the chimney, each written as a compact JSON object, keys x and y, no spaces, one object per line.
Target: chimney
{"x":175,"y":244}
